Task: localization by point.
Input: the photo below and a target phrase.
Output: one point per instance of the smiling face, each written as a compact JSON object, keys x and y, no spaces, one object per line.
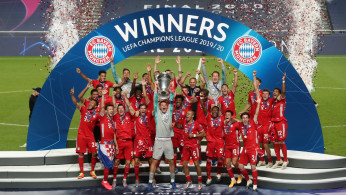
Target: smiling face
{"x":215,"y":112}
{"x":118,"y":93}
{"x":245,"y":119}
{"x":94,"y":95}
{"x":276,"y":93}
{"x":110,"y":110}
{"x":193,"y":82}
{"x":121,"y":110}
{"x":142,"y":110}
{"x":265,"y":95}
{"x":126,"y":74}
{"x":215,"y":77}
{"x":178,"y":102}
{"x":228,"y":115}
{"x":99,"y":91}
{"x":163,"y":107}
{"x":102,"y":77}
{"x":92,"y":105}
{"x":224,"y":90}
{"x":189,"y":115}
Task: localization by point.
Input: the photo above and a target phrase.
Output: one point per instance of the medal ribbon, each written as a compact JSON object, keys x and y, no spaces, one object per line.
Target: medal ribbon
{"x":215,"y":85}
{"x":228,"y":127}
{"x":111,"y":121}
{"x":176,"y":114}
{"x":218,"y":122}
{"x":246,"y":129}
{"x":226,"y":100}
{"x":144,"y":120}
{"x":190,"y":128}
{"x":88,"y":115}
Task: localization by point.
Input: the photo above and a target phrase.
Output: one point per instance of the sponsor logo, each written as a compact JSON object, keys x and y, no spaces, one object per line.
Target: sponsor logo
{"x":247,"y":50}
{"x":99,"y":50}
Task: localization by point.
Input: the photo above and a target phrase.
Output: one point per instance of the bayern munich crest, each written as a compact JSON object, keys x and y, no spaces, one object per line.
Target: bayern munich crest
{"x":247,"y":50}
{"x":99,"y":50}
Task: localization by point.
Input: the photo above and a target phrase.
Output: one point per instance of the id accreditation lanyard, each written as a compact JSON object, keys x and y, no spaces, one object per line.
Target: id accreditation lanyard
{"x":90,"y":116}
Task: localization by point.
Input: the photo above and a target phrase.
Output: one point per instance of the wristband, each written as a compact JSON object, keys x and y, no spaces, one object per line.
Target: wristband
{"x":199,"y":73}
{"x":194,"y":135}
{"x":283,"y":81}
{"x":180,"y":72}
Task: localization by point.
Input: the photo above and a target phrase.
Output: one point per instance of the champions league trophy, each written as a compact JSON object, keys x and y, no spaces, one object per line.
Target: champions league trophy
{"x":164,"y":80}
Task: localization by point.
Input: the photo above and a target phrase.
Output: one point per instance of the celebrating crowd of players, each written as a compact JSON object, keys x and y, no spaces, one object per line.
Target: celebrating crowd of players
{"x":132,"y":122}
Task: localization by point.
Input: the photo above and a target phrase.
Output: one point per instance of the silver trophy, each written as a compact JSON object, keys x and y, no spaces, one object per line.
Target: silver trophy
{"x":163,"y":79}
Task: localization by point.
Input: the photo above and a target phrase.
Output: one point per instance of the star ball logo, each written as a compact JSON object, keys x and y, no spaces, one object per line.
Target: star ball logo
{"x":247,"y":50}
{"x":99,"y":50}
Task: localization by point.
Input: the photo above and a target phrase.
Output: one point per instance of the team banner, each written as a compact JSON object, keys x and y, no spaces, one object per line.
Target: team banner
{"x":171,"y":28}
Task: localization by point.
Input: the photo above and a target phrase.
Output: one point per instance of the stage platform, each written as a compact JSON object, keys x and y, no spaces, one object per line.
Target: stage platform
{"x":59,"y":169}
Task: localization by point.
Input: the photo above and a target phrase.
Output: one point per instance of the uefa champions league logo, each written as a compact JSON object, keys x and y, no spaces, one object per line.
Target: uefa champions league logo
{"x":247,"y":50}
{"x":99,"y":50}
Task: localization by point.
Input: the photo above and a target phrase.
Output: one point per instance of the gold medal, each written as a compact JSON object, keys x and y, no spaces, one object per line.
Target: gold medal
{"x":245,"y":136}
{"x":88,"y":121}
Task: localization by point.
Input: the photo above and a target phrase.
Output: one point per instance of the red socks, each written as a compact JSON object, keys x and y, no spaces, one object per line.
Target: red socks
{"x":158,"y":164}
{"x":284,"y":151}
{"x":136,"y":168}
{"x":115,"y":171}
{"x":244,"y":172}
{"x":188,"y":178}
{"x":219,"y":166}
{"x":126,"y":171}
{"x":81,"y":162}
{"x":199,"y":179}
{"x":105,"y":174}
{"x":208,"y":168}
{"x":277,"y":151}
{"x":254,"y":175}
{"x":93,"y":162}
{"x":270,"y":159}
{"x":230,"y":172}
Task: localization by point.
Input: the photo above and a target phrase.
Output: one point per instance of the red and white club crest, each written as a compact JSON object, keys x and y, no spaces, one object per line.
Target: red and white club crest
{"x":247,"y":50}
{"x":99,"y":50}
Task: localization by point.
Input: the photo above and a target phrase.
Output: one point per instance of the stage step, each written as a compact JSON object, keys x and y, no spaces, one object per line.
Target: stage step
{"x":59,"y":168}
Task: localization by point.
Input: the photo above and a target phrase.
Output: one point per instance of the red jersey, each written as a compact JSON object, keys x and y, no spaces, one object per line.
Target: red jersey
{"x":135,"y":103}
{"x":265,"y":112}
{"x":88,"y":119}
{"x":252,"y":100}
{"x":215,"y":128}
{"x":124,"y":126}
{"x":227,"y":103}
{"x":249,"y":135}
{"x":107,"y":128}
{"x":179,"y":116}
{"x":231,"y":134}
{"x":106,"y":85}
{"x":278,"y":110}
{"x":121,"y":100}
{"x":174,"y":84}
{"x":150,"y":94}
{"x":200,"y":113}
{"x":142,"y":126}
{"x":193,"y":128}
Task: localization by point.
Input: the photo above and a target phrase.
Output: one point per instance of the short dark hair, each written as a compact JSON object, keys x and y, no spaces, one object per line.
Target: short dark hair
{"x":258,"y":79}
{"x":218,"y":74}
{"x":144,"y":74}
{"x":162,"y":102}
{"x":168,"y":70}
{"x":230,"y":111}
{"x":97,"y":102}
{"x":278,"y":90}
{"x":102,"y":71}
{"x":121,"y":105}
{"x":245,"y":113}
{"x":115,"y":88}
{"x":126,"y":69}
{"x":108,"y":105}
{"x":138,"y":88}
{"x":140,"y":105}
{"x":93,"y":90}
{"x":266,"y":90}
{"x":179,"y":97}
{"x":99,"y":85}
{"x":193,"y":78}
{"x":192,"y":112}
{"x":205,"y":92}
{"x":216,"y":107}
{"x":225,"y":85}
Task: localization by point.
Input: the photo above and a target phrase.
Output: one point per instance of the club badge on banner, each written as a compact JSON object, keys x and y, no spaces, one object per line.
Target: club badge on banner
{"x":194,"y":29}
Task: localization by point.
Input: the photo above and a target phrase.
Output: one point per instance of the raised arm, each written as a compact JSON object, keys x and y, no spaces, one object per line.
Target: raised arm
{"x":81,"y":94}
{"x":151,"y":83}
{"x":84,"y":77}
{"x":146,"y":98}
{"x":180,"y":73}
{"x":182,"y":81}
{"x":202,"y":85}
{"x":133,"y":87}
{"x":205,"y":109}
{"x":128,"y":104}
{"x":204,"y":69}
{"x":283,"y":91}
{"x":102,"y":112}
{"x":114,"y":71}
{"x":157,"y":61}
{"x":235,"y":82}
{"x":223,"y":79}
{"x":258,"y":100}
{"x":74,"y":100}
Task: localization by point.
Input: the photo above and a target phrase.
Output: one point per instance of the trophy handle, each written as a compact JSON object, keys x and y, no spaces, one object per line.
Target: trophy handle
{"x":156,"y":75}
